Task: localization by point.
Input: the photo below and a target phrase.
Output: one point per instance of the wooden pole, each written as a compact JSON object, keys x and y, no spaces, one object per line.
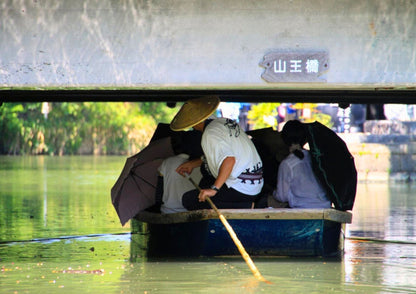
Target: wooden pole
{"x":233,"y":235}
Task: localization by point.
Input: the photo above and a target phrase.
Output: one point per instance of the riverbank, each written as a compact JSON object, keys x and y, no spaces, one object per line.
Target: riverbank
{"x":385,"y":151}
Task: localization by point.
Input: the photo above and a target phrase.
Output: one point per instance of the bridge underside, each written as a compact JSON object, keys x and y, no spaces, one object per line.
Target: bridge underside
{"x":341,"y":96}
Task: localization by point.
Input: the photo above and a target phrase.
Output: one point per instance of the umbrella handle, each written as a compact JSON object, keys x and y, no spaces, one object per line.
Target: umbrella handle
{"x":233,"y":236}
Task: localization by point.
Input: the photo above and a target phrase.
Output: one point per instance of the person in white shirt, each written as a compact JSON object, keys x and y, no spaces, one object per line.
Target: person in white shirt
{"x":296,"y":181}
{"x":173,"y":185}
{"x":230,"y":156}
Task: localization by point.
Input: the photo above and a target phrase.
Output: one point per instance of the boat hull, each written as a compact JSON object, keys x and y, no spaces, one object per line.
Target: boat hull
{"x":259,"y":236}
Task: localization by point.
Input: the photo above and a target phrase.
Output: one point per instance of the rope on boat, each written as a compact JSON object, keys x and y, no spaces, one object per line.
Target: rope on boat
{"x":367,"y":239}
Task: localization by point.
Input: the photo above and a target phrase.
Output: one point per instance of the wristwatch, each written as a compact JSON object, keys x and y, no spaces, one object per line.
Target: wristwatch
{"x":215,"y":188}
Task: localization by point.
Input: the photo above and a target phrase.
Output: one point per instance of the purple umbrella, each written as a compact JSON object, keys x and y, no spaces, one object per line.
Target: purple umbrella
{"x":135,"y":188}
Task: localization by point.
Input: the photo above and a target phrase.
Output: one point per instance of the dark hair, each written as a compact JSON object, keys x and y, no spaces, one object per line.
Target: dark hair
{"x":294,"y":133}
{"x":188,"y":142}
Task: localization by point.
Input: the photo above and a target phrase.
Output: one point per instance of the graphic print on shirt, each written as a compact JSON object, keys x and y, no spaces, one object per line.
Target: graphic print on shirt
{"x":253,"y":175}
{"x":232,"y":126}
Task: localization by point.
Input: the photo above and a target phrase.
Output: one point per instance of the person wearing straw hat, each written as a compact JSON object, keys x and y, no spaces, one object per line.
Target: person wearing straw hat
{"x":230,"y":157}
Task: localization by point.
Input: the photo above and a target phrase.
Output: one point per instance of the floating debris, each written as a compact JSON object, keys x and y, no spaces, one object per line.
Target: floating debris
{"x":80,"y":271}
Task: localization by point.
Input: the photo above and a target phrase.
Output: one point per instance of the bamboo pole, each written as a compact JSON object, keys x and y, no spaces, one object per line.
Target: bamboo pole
{"x":233,"y":236}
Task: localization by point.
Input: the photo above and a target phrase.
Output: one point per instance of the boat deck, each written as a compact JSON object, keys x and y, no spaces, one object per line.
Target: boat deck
{"x":252,"y":214}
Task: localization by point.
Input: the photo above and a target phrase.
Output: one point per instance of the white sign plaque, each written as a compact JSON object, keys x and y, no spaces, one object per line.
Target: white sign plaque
{"x":297,"y":66}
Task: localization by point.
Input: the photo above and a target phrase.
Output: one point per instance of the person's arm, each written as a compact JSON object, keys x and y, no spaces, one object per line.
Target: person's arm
{"x":225,"y":171}
{"x":188,"y":166}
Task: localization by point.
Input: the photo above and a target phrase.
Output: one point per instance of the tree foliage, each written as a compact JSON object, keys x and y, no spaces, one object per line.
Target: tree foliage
{"x":105,"y":128}
{"x":263,"y":115}
{"x":79,"y":128}
{"x":308,"y":112}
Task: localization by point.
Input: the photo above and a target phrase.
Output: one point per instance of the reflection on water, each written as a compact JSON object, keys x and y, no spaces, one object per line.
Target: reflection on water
{"x":46,"y":197}
{"x":385,"y":216}
{"x":385,"y":212}
{"x":59,"y":231}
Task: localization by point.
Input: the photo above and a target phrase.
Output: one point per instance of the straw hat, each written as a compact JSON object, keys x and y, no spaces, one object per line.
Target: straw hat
{"x":193,"y":112}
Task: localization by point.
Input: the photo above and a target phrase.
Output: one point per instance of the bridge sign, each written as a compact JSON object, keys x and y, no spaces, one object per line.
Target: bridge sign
{"x":297,"y":66}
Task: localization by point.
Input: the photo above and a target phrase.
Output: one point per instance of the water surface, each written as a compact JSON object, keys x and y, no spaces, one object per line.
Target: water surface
{"x":60,"y":233}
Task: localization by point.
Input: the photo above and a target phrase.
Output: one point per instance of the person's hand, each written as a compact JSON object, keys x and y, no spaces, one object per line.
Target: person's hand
{"x":184,"y":168}
{"x":204,"y":193}
{"x":187,"y":167}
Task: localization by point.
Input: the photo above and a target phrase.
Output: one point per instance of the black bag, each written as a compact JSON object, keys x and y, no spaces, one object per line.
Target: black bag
{"x":272,"y":150}
{"x":333,"y":165}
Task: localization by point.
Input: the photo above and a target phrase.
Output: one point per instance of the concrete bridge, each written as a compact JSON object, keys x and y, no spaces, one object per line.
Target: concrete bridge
{"x":267,"y":50}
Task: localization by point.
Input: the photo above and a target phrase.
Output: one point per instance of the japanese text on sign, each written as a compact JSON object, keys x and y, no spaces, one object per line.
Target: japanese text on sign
{"x":295,"y":67}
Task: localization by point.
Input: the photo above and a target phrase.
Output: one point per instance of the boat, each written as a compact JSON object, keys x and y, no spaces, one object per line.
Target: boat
{"x":262,"y":232}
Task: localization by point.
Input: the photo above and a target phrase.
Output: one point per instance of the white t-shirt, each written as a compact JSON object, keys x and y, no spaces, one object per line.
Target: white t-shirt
{"x":297,"y":184}
{"x":223,"y":138}
{"x":174,"y":185}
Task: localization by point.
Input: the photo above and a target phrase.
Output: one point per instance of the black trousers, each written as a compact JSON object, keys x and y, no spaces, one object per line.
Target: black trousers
{"x":225,"y":198}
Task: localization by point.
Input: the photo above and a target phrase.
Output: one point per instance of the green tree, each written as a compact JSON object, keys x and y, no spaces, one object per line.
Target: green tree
{"x":21,"y":127}
{"x":10,"y":126}
{"x":62,"y":128}
{"x":313,"y":114}
{"x":82,"y":127}
{"x":263,"y":115}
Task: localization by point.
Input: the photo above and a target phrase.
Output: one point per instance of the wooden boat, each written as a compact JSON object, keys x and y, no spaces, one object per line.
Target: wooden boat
{"x":263,"y":232}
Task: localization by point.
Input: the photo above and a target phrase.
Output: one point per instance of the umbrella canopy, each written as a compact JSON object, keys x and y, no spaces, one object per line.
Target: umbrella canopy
{"x":135,"y":188}
{"x":333,"y":165}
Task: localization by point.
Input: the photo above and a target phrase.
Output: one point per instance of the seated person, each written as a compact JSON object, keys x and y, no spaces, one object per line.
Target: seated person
{"x":296,"y":181}
{"x":175,"y":185}
{"x":229,"y":155}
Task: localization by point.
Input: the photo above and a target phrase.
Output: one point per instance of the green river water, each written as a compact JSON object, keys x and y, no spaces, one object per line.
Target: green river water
{"x":59,"y":233}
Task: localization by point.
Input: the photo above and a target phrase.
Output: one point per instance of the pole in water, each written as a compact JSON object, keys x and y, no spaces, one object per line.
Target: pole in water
{"x":233,"y":236}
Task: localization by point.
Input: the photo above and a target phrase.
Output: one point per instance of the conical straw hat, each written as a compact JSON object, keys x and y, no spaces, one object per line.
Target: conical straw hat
{"x":194,"y":111}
